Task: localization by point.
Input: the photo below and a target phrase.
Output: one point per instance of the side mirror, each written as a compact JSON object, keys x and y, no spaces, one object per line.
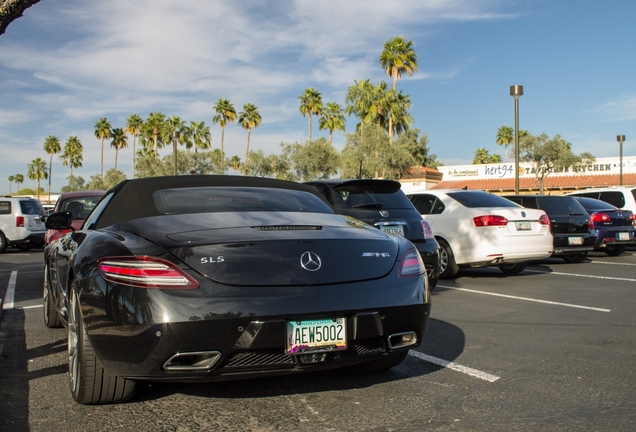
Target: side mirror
{"x":59,"y":221}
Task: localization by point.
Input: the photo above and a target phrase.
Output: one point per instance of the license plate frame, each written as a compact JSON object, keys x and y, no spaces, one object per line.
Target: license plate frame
{"x":393,"y":229}
{"x":575,"y":241}
{"x":306,"y":336}
{"x":523,"y":226}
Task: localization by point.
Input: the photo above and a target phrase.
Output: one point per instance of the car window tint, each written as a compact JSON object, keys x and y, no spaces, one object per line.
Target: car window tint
{"x":591,"y":204}
{"x":31,"y":207}
{"x":236,"y":199}
{"x":92,"y":219}
{"x":480,"y":199}
{"x":424,"y":203}
{"x":355,"y":196}
{"x":561,"y":206}
{"x":5,"y":207}
{"x":614,"y":198}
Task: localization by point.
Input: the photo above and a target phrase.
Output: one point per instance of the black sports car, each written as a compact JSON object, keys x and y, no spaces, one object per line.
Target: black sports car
{"x":207,"y":278}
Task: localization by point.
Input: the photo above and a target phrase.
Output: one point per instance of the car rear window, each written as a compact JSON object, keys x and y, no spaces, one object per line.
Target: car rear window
{"x":562,"y":206}
{"x":474,"y":199}
{"x":31,"y":207}
{"x":236,"y":199}
{"x":591,"y":204}
{"x":370,"y":196}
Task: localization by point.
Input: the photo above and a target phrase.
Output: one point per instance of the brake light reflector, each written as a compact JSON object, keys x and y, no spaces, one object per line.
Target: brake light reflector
{"x":19,"y":221}
{"x":411,"y":264}
{"x":490,"y":220}
{"x":145,"y":272}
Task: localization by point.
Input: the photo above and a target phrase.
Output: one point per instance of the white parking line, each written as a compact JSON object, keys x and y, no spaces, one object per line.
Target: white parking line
{"x":583,"y":275}
{"x":527,"y":298}
{"x":450,"y":365}
{"x":612,"y":263}
{"x":8,"y":300}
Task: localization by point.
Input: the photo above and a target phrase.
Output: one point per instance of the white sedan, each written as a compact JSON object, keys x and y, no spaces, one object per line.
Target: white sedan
{"x":478,"y":229}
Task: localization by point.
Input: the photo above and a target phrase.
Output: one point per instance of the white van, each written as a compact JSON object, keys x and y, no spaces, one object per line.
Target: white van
{"x":623,"y":197}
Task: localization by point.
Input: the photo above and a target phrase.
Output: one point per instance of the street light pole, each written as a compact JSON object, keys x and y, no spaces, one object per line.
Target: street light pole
{"x":621,"y":140}
{"x":516,"y":91}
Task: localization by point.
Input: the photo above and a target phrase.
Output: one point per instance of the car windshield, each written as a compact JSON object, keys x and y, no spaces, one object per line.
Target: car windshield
{"x":473,"y":199}
{"x":236,"y":199}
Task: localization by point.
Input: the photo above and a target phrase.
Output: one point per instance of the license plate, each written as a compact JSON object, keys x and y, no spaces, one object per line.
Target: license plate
{"x":328,"y":334}
{"x":622,"y":236}
{"x":523,"y":226}
{"x":393,"y":229}
{"x":575,"y":241}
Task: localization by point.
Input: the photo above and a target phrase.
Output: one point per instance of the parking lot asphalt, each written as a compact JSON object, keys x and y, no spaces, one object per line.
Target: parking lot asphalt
{"x":550,"y":349}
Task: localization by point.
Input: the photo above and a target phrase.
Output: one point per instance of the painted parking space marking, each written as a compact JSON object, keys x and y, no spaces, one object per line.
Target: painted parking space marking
{"x":583,"y":275}
{"x":453,"y":366}
{"x":10,"y":295}
{"x":527,"y":298}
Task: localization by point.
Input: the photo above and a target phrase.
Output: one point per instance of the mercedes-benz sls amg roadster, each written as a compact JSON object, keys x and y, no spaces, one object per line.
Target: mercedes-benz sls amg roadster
{"x":208,"y":278}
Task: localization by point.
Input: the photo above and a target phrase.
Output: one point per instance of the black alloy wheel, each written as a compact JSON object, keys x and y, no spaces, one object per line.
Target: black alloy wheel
{"x":447,"y":261}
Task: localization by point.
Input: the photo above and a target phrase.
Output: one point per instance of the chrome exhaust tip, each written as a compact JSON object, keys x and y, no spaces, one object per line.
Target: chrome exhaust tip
{"x":402,"y":340}
{"x":192,"y":361}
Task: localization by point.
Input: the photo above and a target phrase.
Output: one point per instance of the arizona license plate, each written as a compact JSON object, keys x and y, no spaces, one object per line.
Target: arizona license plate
{"x":523,"y":226}
{"x":328,"y":334}
{"x":575,"y":241}
{"x":622,"y":236}
{"x":393,"y":229}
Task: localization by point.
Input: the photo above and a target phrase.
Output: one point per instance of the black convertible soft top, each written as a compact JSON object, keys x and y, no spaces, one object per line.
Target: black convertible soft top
{"x":133,"y":199}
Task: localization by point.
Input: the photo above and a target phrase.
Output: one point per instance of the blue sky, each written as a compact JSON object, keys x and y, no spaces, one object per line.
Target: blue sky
{"x":66,"y":64}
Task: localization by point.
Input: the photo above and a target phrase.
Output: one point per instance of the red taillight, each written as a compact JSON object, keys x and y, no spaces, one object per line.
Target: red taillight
{"x":19,"y":221}
{"x":600,"y":217}
{"x":428,"y":231}
{"x":145,"y":272}
{"x":590,"y":224}
{"x":490,"y":220}
{"x":544,"y":220}
{"x":412,"y":264}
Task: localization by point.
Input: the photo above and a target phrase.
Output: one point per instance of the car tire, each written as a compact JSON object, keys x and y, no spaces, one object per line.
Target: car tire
{"x":614,"y":250}
{"x":90,"y":384}
{"x":449,"y":267}
{"x":3,"y":242}
{"x":386,"y":362}
{"x":574,"y":257}
{"x":51,"y":316}
{"x":513,"y":268}
{"x":432,"y":283}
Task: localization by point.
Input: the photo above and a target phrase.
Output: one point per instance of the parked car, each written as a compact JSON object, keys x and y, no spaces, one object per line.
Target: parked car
{"x":623,"y":197}
{"x":478,"y":229}
{"x":614,"y":227}
{"x":21,"y":224}
{"x":207,"y":278}
{"x":80,"y":204}
{"x":382,"y":203}
{"x":571,"y":225}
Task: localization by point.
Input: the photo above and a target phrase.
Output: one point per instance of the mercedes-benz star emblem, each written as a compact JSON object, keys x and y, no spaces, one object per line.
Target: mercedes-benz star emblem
{"x":310,"y":261}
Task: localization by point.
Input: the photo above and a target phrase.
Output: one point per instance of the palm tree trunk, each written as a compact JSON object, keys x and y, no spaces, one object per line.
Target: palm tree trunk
{"x":116,"y":155}
{"x":101,"y":164}
{"x":309,"y":115}
{"x":247,"y":149}
{"x":134,"y":154}
{"x":223,"y":141}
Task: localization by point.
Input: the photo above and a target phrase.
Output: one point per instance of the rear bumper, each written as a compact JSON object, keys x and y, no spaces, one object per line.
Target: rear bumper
{"x":35,"y":239}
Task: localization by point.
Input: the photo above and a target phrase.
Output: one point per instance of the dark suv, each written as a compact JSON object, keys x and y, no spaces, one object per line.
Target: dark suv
{"x":382,"y":203}
{"x":570,"y":224}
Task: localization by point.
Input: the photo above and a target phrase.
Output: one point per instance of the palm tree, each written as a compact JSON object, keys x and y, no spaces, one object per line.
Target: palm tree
{"x":398,"y":113}
{"x":37,"y":171}
{"x":154,"y":128}
{"x":505,"y":137}
{"x":199,"y":136}
{"x":398,"y":57}
{"x":235,"y":163}
{"x":120,"y":141}
{"x":51,"y":146}
{"x":249,"y":118}
{"x":72,"y":156}
{"x":19,"y":178}
{"x":310,"y":103}
{"x":358,"y":99}
{"x":225,"y":113}
{"x":11,"y":179}
{"x":333,"y":119}
{"x":102,"y":132}
{"x":133,"y":127}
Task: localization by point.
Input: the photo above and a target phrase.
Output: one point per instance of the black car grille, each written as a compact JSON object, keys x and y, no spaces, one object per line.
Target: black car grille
{"x":276,"y":357}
